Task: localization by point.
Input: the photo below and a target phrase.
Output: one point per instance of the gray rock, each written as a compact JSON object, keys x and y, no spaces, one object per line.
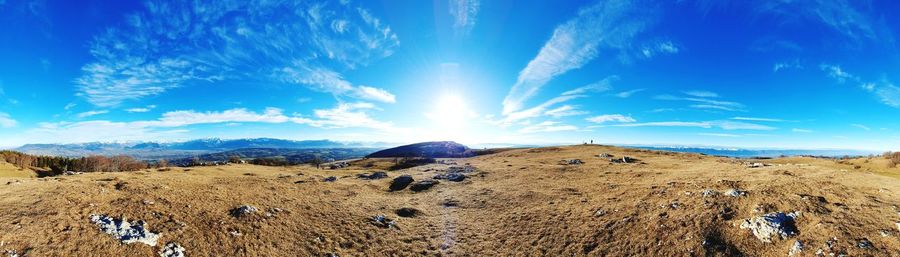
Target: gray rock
{"x":734,"y":192}
{"x":863,"y":243}
{"x":772,"y":225}
{"x":172,"y":250}
{"x":373,"y":176}
{"x":573,"y":162}
{"x":329,"y":179}
{"x":709,"y":192}
{"x":401,"y":182}
{"x":422,"y":185}
{"x":382,"y":221}
{"x":244,"y":211}
{"x":796,"y":248}
{"x":125,"y":231}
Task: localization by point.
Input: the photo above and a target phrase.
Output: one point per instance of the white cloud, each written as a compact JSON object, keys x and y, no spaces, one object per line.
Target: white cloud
{"x":171,"y":45}
{"x":611,"y":118}
{"x":607,"y":24}
{"x":375,"y":94}
{"x":702,"y":93}
{"x":795,"y":64}
{"x":564,"y":111}
{"x":703,"y":101}
{"x":69,"y":106}
{"x":141,"y":109}
{"x":666,"y":47}
{"x":839,"y":15}
{"x":719,"y":135}
{"x":463,"y":13}
{"x":757,"y":119}
{"x":346,"y":115}
{"x":536,"y":111}
{"x":547,"y":126}
{"x":722,"y":124}
{"x":838,"y":74}
{"x":798,"y":130}
{"x":860,"y":126}
{"x":6,"y":121}
{"x":889,"y":94}
{"x":91,"y":113}
{"x":629,"y":93}
{"x":599,"y":86}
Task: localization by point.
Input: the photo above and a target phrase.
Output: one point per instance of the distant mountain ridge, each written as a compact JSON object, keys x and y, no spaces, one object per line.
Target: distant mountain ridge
{"x":750,"y":153}
{"x":439,"y":149}
{"x":156,"y":150}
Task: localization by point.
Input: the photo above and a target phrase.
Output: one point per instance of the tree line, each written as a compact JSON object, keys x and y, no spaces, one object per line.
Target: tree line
{"x":59,"y":165}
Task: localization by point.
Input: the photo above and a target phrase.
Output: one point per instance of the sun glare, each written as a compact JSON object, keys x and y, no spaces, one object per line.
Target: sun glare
{"x":450,"y":111}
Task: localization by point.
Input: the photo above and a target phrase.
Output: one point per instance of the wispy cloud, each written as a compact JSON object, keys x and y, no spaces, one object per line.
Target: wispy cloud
{"x":701,"y":93}
{"x":757,"y":119}
{"x":860,"y":126}
{"x":793,"y":64}
{"x":884,"y":90}
{"x":607,"y":24}
{"x":611,"y":118}
{"x":91,"y":113}
{"x":600,"y":86}
{"x":564,"y":111}
{"x":629,"y":93}
{"x":840,"y":16}
{"x":6,"y":121}
{"x":547,"y":126}
{"x":464,"y":13}
{"x":170,"y":45}
{"x":345,"y":115}
{"x":666,"y":47}
{"x":798,"y":130}
{"x":141,"y":109}
{"x":722,"y":124}
{"x":702,"y":100}
{"x":719,"y":135}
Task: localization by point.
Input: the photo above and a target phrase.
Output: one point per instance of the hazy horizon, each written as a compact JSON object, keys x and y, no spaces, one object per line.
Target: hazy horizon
{"x":767,"y":74}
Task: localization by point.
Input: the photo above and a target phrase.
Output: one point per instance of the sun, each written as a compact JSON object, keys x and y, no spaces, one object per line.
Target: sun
{"x":450,"y":111}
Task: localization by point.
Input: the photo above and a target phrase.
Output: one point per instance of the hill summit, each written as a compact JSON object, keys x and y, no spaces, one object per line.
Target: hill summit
{"x":439,"y":149}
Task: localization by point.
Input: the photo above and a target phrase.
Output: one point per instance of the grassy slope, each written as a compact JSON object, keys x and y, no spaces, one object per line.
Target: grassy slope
{"x":522,"y":202}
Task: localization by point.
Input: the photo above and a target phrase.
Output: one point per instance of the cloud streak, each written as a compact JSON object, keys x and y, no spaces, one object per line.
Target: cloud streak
{"x":169,"y":45}
{"x":464,"y":13}
{"x":6,"y":121}
{"x":605,"y":25}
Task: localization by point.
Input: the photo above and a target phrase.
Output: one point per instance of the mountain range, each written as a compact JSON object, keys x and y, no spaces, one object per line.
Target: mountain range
{"x":172,"y":150}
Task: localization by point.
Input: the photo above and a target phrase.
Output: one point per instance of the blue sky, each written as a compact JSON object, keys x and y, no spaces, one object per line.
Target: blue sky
{"x":767,"y":73}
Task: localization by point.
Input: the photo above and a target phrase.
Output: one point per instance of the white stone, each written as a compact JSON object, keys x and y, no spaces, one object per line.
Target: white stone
{"x":172,"y":250}
{"x":125,"y":231}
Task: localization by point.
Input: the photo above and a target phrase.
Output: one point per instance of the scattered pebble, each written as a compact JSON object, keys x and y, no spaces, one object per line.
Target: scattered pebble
{"x":863,"y":244}
{"x":172,"y":250}
{"x":382,"y":221}
{"x":734,"y":192}
{"x":125,"y":231}
{"x":244,"y":211}
{"x":329,"y":179}
{"x":599,"y":213}
{"x":796,"y":248}
{"x":709,"y":193}
{"x":573,"y":162}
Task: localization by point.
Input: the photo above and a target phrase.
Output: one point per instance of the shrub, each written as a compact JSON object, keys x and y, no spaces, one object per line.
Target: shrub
{"x":893,"y":159}
{"x":408,"y":162}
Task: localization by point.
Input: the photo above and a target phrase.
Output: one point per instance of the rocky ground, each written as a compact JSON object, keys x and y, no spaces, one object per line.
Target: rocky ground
{"x":556,"y":201}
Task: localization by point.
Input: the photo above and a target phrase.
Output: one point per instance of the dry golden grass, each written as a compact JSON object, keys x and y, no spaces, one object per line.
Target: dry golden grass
{"x":7,"y":170}
{"x":520,"y":203}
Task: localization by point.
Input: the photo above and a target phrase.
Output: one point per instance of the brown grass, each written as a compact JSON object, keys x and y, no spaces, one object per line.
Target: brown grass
{"x":520,"y":203}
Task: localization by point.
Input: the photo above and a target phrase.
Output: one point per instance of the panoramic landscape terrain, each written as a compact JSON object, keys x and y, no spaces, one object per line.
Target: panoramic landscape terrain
{"x":524,"y":202}
{"x":176,"y":128}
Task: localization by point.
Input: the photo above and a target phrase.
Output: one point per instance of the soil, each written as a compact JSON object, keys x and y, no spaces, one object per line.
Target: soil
{"x":524,"y":202}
